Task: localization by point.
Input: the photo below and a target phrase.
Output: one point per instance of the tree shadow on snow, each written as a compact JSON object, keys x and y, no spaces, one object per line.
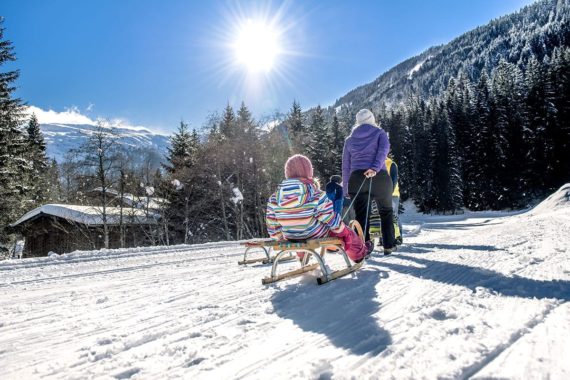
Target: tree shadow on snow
{"x":342,"y":310}
{"x":453,"y":226}
{"x":473,"y":277}
{"x":424,"y":247}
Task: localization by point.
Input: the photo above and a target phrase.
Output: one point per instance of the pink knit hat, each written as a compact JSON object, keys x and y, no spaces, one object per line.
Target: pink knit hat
{"x":298,"y":166}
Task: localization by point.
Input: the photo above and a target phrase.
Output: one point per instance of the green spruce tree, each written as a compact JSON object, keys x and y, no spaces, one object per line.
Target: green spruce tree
{"x":14,"y":167}
{"x":182,"y":148}
{"x":318,"y":144}
{"x":336,"y":139}
{"x":39,"y":180}
{"x":295,"y":131}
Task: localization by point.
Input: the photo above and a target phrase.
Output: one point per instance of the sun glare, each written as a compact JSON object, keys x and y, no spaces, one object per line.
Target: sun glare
{"x":257,"y":46}
{"x":254,"y":53}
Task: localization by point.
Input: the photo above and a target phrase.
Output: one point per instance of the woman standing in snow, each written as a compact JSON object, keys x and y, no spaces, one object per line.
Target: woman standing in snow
{"x":298,"y":210}
{"x":363,"y":160}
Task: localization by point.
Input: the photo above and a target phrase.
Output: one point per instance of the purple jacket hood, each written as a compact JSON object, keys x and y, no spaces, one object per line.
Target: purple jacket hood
{"x":364,"y":131}
{"x":366,"y":148}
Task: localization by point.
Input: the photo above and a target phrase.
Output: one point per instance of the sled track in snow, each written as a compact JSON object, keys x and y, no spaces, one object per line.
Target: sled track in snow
{"x":103,"y":272}
{"x":477,"y":367}
{"x":113,"y":254}
{"x":119,"y":256}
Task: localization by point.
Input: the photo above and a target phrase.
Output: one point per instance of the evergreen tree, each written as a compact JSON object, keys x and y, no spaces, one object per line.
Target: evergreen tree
{"x":447,"y":179}
{"x":542,"y":122}
{"x":402,"y":151}
{"x":458,"y":106}
{"x":54,"y":192}
{"x":421,"y":169}
{"x":295,"y":131}
{"x":318,"y":144}
{"x":560,"y":77}
{"x":14,"y":167}
{"x":245,"y":176}
{"x":180,"y":186}
{"x":181,"y":153}
{"x":508,"y":97}
{"x":227,"y":124}
{"x":336,"y":138}
{"x":36,"y":153}
{"x":484,"y":179}
{"x":245,"y":123}
{"x":435,"y":183}
{"x":295,"y":121}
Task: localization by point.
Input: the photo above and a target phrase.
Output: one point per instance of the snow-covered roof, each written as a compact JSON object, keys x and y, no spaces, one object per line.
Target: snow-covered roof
{"x":89,"y":215}
{"x":143,"y":202}
{"x":152,"y":203}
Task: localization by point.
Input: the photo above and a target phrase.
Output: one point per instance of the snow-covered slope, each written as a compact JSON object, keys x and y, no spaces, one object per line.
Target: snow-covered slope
{"x":61,"y":138}
{"x":427,"y":74}
{"x":482,"y":295}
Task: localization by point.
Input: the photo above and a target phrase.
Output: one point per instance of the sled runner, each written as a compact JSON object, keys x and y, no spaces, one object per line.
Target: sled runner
{"x":266,"y":248}
{"x":310,"y":248}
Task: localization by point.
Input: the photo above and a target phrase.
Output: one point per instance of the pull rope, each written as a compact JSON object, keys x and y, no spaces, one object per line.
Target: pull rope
{"x":367,"y":207}
{"x":367,"y":204}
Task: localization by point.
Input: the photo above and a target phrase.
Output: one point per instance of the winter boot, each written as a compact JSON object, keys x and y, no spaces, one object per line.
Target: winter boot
{"x":388,"y":251}
{"x":369,"y":248}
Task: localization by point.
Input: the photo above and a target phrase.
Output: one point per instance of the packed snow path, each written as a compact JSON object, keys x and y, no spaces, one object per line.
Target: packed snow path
{"x":474,"y":296}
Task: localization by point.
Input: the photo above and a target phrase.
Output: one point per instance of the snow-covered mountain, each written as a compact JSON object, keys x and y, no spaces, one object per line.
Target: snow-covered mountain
{"x":69,"y":129}
{"x":61,"y":138}
{"x":480,"y":295}
{"x":534,"y":31}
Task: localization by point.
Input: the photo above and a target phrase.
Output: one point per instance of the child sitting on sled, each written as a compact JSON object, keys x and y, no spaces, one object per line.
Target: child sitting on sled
{"x":298,"y":210}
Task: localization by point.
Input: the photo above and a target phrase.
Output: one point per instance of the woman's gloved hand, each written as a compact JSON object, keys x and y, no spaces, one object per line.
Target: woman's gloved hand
{"x":370,"y":173}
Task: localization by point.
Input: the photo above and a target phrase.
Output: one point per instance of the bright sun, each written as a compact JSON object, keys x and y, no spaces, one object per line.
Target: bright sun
{"x":257,"y":46}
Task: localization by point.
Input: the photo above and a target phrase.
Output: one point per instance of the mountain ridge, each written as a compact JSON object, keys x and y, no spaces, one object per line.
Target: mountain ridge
{"x":61,"y":138}
{"x":534,"y":30}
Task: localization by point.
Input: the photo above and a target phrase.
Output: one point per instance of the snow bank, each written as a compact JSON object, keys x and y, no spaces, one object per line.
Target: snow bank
{"x":558,"y":200}
{"x":481,"y":296}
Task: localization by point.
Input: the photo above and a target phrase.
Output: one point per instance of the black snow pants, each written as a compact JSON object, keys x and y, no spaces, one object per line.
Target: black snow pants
{"x":381,"y":192}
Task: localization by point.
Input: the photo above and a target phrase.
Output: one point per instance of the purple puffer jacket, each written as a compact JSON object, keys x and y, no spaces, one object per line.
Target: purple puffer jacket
{"x":366,"y":148}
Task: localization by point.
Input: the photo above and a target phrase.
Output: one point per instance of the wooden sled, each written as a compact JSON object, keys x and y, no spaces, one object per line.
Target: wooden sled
{"x":266,"y":247}
{"x":310,"y":247}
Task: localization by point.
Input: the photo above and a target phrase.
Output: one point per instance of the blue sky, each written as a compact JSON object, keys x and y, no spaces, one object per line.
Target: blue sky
{"x":154,"y":62}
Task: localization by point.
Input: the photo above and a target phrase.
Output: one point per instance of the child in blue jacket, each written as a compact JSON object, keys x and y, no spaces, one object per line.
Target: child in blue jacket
{"x":334,"y":192}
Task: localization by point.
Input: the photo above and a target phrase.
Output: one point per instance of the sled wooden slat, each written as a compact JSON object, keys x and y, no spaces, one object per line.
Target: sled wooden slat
{"x":310,"y":244}
{"x":293,"y":273}
{"x":262,"y":260}
{"x":283,"y":245}
{"x":282,"y":259}
{"x":265,"y":260}
{"x":313,"y":248}
{"x":339,"y":273}
{"x":257,"y":243}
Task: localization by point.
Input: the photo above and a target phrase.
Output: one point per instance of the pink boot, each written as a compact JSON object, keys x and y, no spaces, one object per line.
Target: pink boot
{"x":353,"y":245}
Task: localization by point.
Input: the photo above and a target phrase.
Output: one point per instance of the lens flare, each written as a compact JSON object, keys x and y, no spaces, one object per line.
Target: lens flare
{"x":254,"y":51}
{"x":257,"y":46}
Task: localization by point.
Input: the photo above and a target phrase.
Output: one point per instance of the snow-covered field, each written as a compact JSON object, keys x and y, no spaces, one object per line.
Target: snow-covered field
{"x":474,"y":296}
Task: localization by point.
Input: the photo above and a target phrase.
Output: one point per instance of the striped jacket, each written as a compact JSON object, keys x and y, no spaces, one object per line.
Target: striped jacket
{"x":299,"y":211}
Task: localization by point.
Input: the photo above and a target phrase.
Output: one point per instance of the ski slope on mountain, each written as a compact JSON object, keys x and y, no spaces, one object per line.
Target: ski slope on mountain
{"x":481,"y":295}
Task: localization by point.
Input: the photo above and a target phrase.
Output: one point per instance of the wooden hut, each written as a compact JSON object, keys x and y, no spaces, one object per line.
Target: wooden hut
{"x":64,"y":228}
